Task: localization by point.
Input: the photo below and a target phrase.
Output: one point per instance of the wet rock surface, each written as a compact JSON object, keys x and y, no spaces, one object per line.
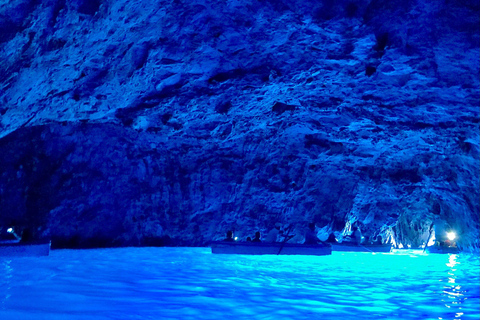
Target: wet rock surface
{"x":170,"y":122}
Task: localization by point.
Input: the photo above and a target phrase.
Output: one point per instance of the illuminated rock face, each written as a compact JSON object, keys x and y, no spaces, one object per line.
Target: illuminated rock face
{"x":170,"y":122}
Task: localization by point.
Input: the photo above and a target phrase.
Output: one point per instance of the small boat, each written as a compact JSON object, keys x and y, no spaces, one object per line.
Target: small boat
{"x":29,"y":249}
{"x":442,"y":249}
{"x":275,"y":248}
{"x":361,"y":247}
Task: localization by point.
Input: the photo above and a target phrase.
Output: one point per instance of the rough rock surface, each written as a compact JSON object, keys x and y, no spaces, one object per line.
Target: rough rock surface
{"x":169,"y":122}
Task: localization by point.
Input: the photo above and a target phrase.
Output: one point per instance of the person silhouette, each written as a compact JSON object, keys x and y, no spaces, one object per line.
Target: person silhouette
{"x":331,"y":238}
{"x":310,"y":235}
{"x":229,"y":236}
{"x":257,"y":237}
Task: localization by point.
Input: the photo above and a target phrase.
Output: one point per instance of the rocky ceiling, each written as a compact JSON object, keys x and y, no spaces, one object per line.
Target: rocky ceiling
{"x":169,"y":122}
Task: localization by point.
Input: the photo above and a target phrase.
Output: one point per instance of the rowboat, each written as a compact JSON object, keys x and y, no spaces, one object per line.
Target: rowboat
{"x":275,"y":248}
{"x":361,"y":247}
{"x":442,"y":249}
{"x":18,"y":249}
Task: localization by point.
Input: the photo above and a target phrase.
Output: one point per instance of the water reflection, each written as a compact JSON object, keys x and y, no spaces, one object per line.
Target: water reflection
{"x":6,"y":283}
{"x":452,"y":260}
{"x":453,"y":295}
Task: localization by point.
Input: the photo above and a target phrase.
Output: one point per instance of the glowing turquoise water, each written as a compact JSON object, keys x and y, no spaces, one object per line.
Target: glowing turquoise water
{"x":185,"y":283}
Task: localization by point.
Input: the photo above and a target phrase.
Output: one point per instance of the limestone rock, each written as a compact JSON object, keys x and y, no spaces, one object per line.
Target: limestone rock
{"x":171,"y":122}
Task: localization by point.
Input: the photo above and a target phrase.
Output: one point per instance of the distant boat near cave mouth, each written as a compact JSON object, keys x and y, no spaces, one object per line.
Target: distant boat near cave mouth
{"x":275,"y":248}
{"x":361,"y":247}
{"x":442,"y":249}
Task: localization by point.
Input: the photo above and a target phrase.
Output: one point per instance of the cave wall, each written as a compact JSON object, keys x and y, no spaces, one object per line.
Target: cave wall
{"x":170,"y":122}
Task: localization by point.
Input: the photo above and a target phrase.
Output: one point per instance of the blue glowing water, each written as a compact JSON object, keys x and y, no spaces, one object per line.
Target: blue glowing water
{"x":191,"y":283}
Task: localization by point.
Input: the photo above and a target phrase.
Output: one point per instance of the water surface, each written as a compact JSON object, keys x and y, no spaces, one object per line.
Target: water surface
{"x":191,"y":283}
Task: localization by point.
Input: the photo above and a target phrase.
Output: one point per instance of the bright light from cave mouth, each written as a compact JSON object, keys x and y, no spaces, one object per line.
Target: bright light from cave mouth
{"x":451,"y":235}
{"x":236,"y":238}
{"x":10,"y":230}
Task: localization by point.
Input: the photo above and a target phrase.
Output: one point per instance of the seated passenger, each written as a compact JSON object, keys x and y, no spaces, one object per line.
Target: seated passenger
{"x":27,"y":236}
{"x":379,"y":240}
{"x":257,"y":237}
{"x":310,"y":235}
{"x":347,"y":238}
{"x":229,"y":236}
{"x":249,"y":239}
{"x":357,"y":235}
{"x":331,"y":238}
{"x":273,"y":234}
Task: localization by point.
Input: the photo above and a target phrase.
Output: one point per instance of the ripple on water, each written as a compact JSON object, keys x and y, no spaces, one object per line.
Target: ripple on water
{"x":191,"y":283}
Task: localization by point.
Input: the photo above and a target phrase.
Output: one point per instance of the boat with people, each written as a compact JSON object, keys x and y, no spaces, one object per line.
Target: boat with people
{"x":442,"y":249}
{"x":352,"y":247}
{"x":11,"y":245}
{"x":441,"y":239}
{"x":24,"y":249}
{"x":273,"y":248}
